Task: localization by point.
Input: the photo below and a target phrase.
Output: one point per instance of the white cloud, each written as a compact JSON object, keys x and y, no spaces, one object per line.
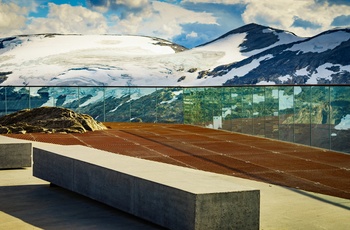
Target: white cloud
{"x":133,"y":3}
{"x":276,"y":14}
{"x":162,"y":20}
{"x":12,"y":18}
{"x":192,"y":35}
{"x":69,"y":19}
{"x":228,"y":2}
{"x":130,"y":5}
{"x":170,"y":18}
{"x":165,"y":19}
{"x":281,"y":14}
{"x":131,"y":24}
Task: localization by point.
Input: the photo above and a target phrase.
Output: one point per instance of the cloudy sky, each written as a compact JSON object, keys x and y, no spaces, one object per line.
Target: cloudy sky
{"x":187,"y":22}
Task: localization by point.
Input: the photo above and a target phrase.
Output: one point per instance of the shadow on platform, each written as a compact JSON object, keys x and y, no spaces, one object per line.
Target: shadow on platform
{"x":48,"y":207}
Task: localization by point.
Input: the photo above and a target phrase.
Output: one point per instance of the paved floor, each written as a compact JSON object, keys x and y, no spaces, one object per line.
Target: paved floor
{"x":266,"y":160}
{"x":27,"y":202}
{"x":30,"y":203}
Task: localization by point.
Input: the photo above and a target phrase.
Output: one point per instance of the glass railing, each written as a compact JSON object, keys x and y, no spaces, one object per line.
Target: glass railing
{"x":310,"y":115}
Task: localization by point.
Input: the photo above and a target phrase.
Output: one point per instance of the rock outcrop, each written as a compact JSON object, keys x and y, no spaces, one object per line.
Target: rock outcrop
{"x":48,"y":120}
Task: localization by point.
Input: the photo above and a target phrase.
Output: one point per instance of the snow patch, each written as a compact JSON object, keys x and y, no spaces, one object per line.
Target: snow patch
{"x":321,"y":43}
{"x":285,"y":78}
{"x":285,"y":101}
{"x":97,"y":97}
{"x":174,"y":98}
{"x":283,"y":38}
{"x":228,"y":46}
{"x":267,"y":30}
{"x":344,"y":123}
{"x":241,"y":71}
{"x":322,"y":72}
{"x":266,"y":83}
{"x":302,"y":72}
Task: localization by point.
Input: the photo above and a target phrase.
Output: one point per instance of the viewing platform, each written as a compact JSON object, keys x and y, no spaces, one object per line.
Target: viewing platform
{"x":300,"y":186}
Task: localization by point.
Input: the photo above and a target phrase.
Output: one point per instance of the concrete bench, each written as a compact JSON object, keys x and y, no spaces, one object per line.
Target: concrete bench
{"x":170,"y":196}
{"x":15,"y":153}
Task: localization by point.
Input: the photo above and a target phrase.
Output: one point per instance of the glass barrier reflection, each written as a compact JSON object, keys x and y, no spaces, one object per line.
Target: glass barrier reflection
{"x":310,"y":115}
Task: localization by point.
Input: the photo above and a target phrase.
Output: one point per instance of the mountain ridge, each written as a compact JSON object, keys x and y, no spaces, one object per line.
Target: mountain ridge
{"x":286,"y":62}
{"x":251,"y":54}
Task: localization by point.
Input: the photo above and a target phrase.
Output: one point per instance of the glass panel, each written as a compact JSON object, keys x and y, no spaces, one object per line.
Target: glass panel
{"x":92,"y":101}
{"x":3,"y":102}
{"x":317,"y":115}
{"x":259,"y":111}
{"x":192,"y":106}
{"x":271,"y":112}
{"x":302,"y":115}
{"x":211,"y":108}
{"x":143,"y":105}
{"x":320,"y":117}
{"x":247,"y":110}
{"x":170,"y":105}
{"x":340,"y":118}
{"x":226,"y":111}
{"x":117,"y":104}
{"x":286,"y":112}
{"x":66,"y":97}
{"x":17,"y":99}
{"x":237,"y":108}
{"x":39,"y":96}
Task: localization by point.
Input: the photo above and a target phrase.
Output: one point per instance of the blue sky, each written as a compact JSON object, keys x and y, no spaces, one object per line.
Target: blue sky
{"x":187,"y":22}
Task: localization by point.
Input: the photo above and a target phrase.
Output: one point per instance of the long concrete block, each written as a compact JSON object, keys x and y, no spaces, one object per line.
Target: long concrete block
{"x":171,"y":196}
{"x":15,"y":153}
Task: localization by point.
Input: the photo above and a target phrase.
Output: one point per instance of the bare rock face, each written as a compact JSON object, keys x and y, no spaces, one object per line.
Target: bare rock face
{"x":48,"y":120}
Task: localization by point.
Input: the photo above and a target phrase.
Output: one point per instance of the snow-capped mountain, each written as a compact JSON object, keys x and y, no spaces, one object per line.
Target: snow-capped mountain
{"x":252,"y":54}
{"x":323,"y":59}
{"x":249,"y":40}
{"x":82,"y":60}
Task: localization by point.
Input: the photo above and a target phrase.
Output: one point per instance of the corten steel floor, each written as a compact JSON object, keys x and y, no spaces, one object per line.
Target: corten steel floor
{"x":239,"y":155}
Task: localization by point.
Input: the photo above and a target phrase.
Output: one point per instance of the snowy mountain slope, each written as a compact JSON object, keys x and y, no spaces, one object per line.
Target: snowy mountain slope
{"x":72,"y":59}
{"x":248,"y":40}
{"x":322,"y":59}
{"x":252,"y":54}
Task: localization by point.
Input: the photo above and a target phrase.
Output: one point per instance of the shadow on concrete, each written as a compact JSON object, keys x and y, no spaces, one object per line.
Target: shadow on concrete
{"x":316,"y":197}
{"x":48,"y":207}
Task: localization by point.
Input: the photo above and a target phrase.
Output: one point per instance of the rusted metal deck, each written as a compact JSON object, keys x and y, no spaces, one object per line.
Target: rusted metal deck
{"x":260,"y":159}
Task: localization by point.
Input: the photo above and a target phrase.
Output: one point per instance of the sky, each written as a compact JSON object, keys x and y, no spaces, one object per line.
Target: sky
{"x":187,"y":22}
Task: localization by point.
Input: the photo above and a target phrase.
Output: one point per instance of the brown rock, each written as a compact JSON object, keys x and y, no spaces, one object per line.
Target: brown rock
{"x":48,"y":120}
